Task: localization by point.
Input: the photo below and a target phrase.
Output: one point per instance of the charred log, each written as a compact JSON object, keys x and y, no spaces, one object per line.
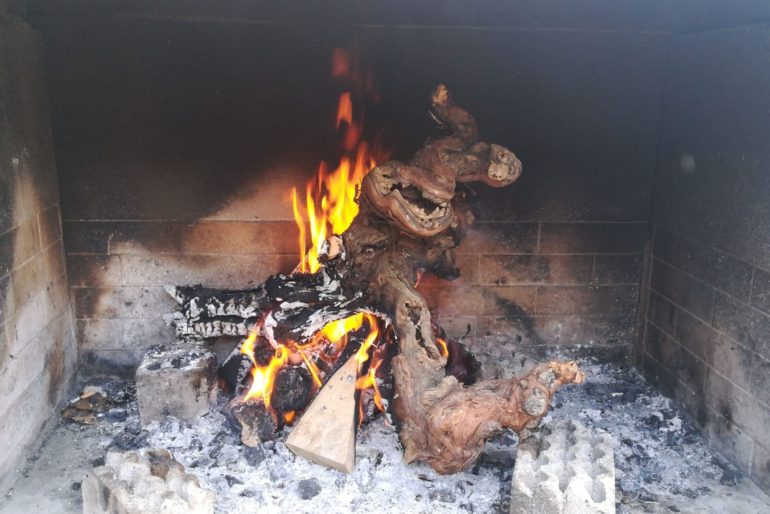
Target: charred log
{"x":257,"y":423}
{"x":204,"y":313}
{"x":292,"y":390}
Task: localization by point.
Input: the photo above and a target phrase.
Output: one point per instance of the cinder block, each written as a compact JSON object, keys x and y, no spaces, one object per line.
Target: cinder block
{"x":241,"y":238}
{"x":760,"y":471}
{"x":586,"y":299}
{"x":150,"y":480}
{"x":94,"y":270}
{"x":564,"y":469}
{"x":50,"y":226}
{"x":220,"y":271}
{"x":693,"y":295}
{"x":592,"y":237}
{"x":747,"y":326}
{"x":722,"y":271}
{"x":179,"y":381}
{"x":536,"y":269}
{"x":500,"y":239}
{"x":760,"y":290}
{"x":618,"y":269}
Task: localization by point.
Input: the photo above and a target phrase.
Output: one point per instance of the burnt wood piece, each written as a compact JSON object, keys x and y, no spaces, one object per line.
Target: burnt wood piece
{"x":257,"y":423}
{"x":411,"y":218}
{"x":204,"y":313}
{"x":292,"y":389}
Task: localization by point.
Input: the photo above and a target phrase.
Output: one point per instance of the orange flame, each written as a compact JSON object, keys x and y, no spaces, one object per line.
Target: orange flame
{"x":442,"y":347}
{"x":327,"y":208}
{"x":332,"y":339}
{"x":263,"y":377}
{"x":329,"y":204}
{"x":345,"y":109}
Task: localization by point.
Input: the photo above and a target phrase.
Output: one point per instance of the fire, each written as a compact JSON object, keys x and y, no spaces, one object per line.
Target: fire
{"x":329,"y":203}
{"x":328,"y":207}
{"x":263,"y":377}
{"x":327,"y":344}
{"x":442,"y":347}
{"x":345,"y":109}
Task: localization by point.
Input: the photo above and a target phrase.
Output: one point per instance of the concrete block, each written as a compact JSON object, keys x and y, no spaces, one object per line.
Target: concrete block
{"x":760,"y":471}
{"x":99,"y":334}
{"x":501,"y":239}
{"x":49,"y":225}
{"x":586,"y":299}
{"x":150,"y":480}
{"x":663,"y":313}
{"x":742,"y":323}
{"x":219,"y":271}
{"x":566,"y":469}
{"x":667,"y":245}
{"x":618,"y":269}
{"x":722,"y":271}
{"x":179,"y":381}
{"x":136,"y":333}
{"x":94,"y":270}
{"x":536,"y":269}
{"x":760,"y":290}
{"x":592,"y":237}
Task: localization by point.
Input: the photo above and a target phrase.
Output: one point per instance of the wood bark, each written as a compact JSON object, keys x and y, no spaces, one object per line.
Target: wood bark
{"x":412,"y":217}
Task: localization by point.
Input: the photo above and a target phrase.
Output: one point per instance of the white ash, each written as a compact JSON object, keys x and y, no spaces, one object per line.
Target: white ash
{"x":184,"y":356}
{"x":663,"y":465}
{"x":272,"y":479}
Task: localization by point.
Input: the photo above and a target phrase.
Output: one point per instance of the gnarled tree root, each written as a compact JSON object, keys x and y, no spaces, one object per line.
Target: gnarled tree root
{"x":447,"y":429}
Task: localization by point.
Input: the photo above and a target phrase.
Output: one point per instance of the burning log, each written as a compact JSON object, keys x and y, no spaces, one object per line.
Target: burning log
{"x":292,"y":389}
{"x":411,"y":218}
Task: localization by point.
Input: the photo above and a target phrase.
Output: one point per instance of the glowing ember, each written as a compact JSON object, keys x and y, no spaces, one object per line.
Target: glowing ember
{"x":326,"y":345}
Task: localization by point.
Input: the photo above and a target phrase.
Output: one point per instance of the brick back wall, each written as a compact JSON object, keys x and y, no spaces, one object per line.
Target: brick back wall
{"x":37,"y":345}
{"x":553,"y":283}
{"x":118,"y":271}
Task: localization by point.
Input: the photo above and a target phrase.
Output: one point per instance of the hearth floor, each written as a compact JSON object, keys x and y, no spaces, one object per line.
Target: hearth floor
{"x":662,"y":464}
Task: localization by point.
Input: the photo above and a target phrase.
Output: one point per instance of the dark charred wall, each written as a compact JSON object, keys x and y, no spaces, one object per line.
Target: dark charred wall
{"x":179,"y":138}
{"x":37,"y":344}
{"x":707,"y":340}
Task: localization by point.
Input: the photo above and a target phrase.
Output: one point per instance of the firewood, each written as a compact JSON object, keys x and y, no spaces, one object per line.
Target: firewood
{"x":292,"y":389}
{"x":326,"y":432}
{"x":411,"y":218}
{"x":258,"y":424}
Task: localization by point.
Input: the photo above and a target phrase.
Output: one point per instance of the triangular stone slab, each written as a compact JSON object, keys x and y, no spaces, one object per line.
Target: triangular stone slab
{"x":326,"y":432}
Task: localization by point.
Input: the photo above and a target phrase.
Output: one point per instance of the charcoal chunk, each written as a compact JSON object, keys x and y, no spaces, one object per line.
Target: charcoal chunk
{"x":309,"y":488}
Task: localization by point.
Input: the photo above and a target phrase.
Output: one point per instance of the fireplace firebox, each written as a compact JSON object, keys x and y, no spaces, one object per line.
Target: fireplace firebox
{"x":290,"y":255}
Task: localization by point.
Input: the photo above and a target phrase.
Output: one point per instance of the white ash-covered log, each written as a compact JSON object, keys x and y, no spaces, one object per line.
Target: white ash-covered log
{"x":412,"y":216}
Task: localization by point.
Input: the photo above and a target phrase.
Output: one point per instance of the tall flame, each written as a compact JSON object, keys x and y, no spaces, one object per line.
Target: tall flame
{"x":327,"y":207}
{"x":329,"y":204}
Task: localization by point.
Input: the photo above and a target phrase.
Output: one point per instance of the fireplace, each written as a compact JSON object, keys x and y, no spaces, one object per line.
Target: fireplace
{"x":150,"y":146}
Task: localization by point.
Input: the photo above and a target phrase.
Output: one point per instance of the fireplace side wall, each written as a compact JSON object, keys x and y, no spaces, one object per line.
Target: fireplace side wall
{"x":38,"y":352}
{"x":178,"y":141}
{"x":707,"y":335}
